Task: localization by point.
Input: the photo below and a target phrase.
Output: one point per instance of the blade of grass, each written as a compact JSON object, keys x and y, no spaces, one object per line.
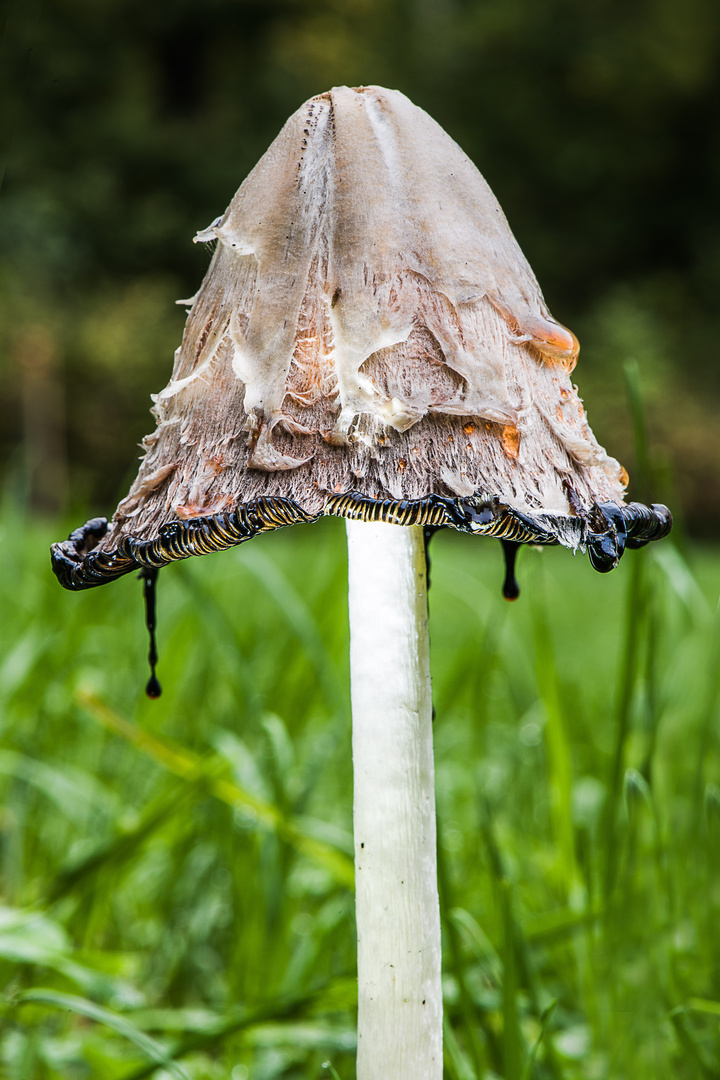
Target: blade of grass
{"x":300,"y":617}
{"x":479,"y":944}
{"x":471,"y":1022}
{"x":32,"y":938}
{"x":190,"y":766}
{"x":651,"y":680}
{"x":522,"y":972}
{"x":530,"y":1063}
{"x":513,"y":1050}
{"x":634,"y":623}
{"x":121,"y":846}
{"x":690,"y":1043}
{"x":708,"y":701}
{"x":702,"y":1005}
{"x":455,"y":1061}
{"x":119,"y":1024}
{"x":635,"y":617}
{"x":225,"y":632}
{"x":73,"y":791}
{"x":558,"y":752}
{"x":243,"y":1018}
{"x":331,"y":1069}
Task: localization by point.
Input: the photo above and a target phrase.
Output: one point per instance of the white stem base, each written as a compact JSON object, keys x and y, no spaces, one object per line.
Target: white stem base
{"x":398,"y":914}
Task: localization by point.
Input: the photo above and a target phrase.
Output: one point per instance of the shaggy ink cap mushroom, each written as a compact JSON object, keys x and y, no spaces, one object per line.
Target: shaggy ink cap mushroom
{"x":369,"y":342}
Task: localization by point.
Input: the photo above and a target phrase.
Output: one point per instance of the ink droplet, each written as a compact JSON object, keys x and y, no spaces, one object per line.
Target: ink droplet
{"x":510,"y":589}
{"x":149,"y":575}
{"x":153,"y":689}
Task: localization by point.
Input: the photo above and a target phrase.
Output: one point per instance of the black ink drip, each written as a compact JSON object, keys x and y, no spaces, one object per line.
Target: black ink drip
{"x":149,"y":579}
{"x":510,"y":589}
{"x":428,"y":533}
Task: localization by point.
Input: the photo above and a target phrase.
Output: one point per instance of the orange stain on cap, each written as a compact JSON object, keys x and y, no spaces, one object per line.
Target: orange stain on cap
{"x":511,"y":440}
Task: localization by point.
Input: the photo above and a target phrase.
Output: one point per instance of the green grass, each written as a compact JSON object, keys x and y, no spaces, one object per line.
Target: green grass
{"x":176,"y":875}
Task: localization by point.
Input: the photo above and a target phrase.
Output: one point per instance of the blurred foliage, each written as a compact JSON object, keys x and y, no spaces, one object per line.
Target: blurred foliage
{"x":128,"y":126}
{"x":176,"y":875}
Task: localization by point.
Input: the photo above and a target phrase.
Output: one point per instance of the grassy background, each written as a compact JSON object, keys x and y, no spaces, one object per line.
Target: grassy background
{"x":176,"y":893}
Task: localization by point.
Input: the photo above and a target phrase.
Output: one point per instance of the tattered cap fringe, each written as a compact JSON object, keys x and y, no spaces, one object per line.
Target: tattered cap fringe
{"x":78,"y":566}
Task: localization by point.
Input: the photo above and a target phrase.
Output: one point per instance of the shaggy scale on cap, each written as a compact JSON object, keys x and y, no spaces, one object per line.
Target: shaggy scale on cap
{"x":369,"y":342}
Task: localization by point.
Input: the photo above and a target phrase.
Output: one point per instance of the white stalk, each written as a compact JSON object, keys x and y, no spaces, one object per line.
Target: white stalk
{"x":398,"y":913}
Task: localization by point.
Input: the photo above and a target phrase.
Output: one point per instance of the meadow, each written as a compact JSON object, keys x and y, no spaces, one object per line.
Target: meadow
{"x":176,"y":892}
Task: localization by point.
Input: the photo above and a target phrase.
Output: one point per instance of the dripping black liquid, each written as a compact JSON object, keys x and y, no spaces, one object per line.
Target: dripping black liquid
{"x":153,"y":688}
{"x":510,"y":589}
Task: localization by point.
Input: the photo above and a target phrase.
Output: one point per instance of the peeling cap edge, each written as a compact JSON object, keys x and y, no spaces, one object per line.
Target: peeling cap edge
{"x":604,"y":532}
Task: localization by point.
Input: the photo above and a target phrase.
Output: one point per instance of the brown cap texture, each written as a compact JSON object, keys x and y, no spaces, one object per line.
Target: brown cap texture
{"x":369,"y":341}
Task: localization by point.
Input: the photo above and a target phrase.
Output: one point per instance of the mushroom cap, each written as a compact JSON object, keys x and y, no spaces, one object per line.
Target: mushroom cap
{"x":369,"y":341}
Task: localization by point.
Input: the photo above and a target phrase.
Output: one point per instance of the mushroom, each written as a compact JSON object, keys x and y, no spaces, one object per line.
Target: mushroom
{"x":369,"y":342}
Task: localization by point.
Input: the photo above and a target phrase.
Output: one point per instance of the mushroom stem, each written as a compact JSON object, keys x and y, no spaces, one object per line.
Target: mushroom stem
{"x":398,"y":913}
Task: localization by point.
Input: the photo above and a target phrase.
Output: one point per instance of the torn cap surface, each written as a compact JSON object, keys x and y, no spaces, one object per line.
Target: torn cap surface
{"x":369,"y":341}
